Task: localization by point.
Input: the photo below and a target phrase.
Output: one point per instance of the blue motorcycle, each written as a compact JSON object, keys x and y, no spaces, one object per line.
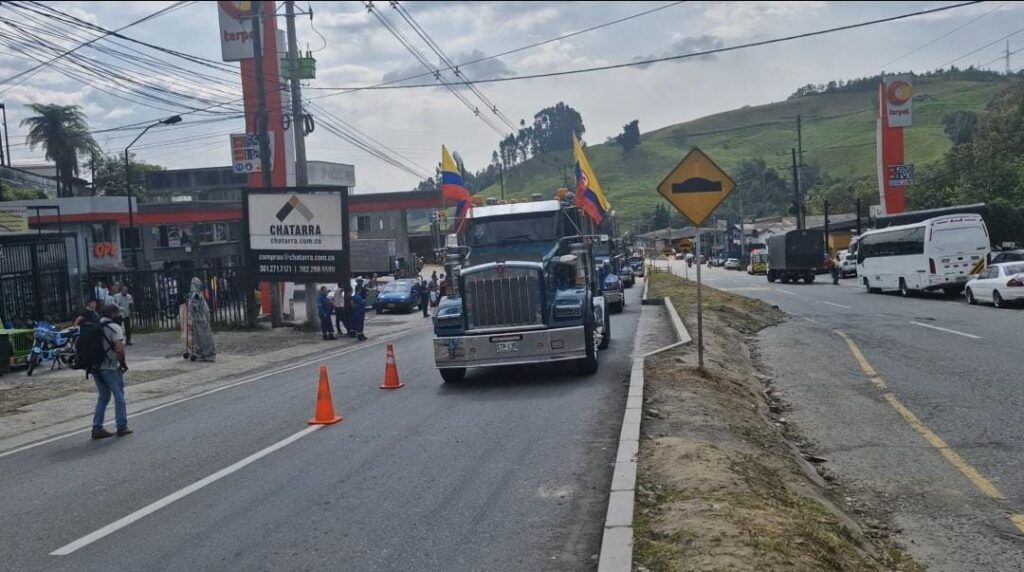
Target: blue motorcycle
{"x":53,"y":344}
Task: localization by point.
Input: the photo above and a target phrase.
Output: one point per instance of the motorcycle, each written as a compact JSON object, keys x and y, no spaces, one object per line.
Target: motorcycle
{"x":53,"y":344}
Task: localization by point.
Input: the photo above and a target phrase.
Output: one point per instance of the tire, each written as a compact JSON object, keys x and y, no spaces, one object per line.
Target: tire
{"x":970,"y":297}
{"x":379,"y":310}
{"x":453,"y":374}
{"x":869,"y":289}
{"x":33,"y":361}
{"x":607,"y":339}
{"x":904,"y":291}
{"x":589,"y":364}
{"x":997,"y":299}
{"x":808,"y":278}
{"x":771,"y":276}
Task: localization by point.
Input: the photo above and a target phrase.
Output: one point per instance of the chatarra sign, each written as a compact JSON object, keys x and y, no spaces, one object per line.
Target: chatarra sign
{"x":297,"y":234}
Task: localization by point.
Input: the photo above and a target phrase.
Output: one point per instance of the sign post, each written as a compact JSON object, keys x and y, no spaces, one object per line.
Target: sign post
{"x":696,"y":187}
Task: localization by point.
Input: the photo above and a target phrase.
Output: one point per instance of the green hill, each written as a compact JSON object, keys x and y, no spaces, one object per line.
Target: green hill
{"x":838,"y":137}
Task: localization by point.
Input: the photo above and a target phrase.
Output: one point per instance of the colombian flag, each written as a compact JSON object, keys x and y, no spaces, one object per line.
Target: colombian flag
{"x":588,"y":191}
{"x":452,"y":186}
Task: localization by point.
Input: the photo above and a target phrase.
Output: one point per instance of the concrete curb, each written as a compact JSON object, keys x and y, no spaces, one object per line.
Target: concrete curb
{"x":617,"y":539}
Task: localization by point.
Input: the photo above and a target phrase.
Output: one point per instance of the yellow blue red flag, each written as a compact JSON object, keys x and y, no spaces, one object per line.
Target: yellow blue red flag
{"x":453,"y":187}
{"x":588,"y":191}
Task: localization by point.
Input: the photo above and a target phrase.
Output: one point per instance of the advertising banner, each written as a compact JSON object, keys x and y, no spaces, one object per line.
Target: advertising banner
{"x":13,"y":220}
{"x":297,"y":234}
{"x":899,"y":101}
{"x":235,"y":30}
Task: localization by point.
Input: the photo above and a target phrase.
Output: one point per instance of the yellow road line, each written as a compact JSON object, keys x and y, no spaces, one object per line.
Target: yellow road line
{"x":954,"y":458}
{"x":1018,"y":521}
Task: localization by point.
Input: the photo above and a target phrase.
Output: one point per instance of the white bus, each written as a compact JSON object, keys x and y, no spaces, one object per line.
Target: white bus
{"x":936,"y":254}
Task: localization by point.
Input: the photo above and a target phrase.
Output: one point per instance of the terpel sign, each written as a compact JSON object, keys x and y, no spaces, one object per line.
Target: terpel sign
{"x":235,"y":30}
{"x":899,"y":98}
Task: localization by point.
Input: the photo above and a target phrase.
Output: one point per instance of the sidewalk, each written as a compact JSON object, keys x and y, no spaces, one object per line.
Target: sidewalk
{"x":58,"y":401}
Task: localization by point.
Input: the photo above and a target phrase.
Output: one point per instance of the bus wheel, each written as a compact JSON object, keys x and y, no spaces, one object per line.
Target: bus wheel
{"x":904,"y":291}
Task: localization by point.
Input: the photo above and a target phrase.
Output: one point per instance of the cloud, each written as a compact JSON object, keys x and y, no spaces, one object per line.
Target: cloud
{"x":556,"y":56}
{"x":686,"y":45}
{"x":746,"y":19}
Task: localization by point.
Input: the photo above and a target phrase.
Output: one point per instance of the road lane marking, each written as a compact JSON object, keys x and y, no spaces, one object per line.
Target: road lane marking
{"x":245,"y":381}
{"x":1018,"y":521}
{"x":785,"y":291}
{"x":179,"y":494}
{"x":977,"y":479}
{"x":947,"y":330}
{"x":836,"y":305}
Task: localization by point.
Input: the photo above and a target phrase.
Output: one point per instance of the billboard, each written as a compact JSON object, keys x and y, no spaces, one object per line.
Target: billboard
{"x":899,"y":101}
{"x":235,"y":30}
{"x":13,"y":220}
{"x":297,"y":234}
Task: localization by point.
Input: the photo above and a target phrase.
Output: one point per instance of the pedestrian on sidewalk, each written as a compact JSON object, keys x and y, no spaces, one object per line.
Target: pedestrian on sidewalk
{"x":202,"y":326}
{"x":833,"y":268}
{"x":424,"y":297}
{"x":358,"y":314}
{"x":124,"y":301}
{"x":339,"y":308}
{"x":88,"y":313}
{"x":110,"y":376}
{"x":325,"y":309}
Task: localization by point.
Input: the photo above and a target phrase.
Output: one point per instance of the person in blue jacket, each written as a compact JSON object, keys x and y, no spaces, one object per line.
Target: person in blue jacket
{"x":358,"y":313}
{"x":325,"y":308}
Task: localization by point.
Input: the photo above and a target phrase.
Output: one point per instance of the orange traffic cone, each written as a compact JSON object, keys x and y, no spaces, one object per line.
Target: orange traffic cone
{"x":324,"y":404}
{"x":391,"y":371}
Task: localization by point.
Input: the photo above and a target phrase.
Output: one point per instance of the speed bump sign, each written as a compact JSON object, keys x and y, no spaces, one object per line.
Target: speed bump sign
{"x":696,"y":186}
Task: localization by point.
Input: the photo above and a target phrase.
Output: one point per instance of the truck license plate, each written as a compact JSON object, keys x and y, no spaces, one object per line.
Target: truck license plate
{"x":506,"y":347}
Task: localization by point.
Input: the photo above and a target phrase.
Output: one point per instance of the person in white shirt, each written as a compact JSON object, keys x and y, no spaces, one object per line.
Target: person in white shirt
{"x":123,"y":300}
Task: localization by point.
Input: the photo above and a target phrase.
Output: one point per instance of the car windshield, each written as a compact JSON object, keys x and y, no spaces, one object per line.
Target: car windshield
{"x":400,"y":287}
{"x":611,"y":280}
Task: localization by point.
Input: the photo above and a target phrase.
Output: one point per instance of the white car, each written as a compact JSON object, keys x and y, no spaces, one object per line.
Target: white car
{"x":1002,"y":284}
{"x":847,"y":263}
{"x":732,"y":264}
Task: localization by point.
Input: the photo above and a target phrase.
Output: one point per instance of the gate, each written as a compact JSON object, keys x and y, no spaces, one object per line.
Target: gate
{"x":158,"y":294}
{"x":34,"y":282}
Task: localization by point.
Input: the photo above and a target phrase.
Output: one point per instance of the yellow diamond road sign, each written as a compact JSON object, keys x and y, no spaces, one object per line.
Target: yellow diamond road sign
{"x":696,"y":186}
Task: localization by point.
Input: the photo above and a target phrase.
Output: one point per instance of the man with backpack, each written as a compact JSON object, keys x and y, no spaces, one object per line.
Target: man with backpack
{"x":100,"y":352}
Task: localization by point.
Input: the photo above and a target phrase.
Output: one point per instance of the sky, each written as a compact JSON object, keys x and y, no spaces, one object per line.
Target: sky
{"x":353,"y":48}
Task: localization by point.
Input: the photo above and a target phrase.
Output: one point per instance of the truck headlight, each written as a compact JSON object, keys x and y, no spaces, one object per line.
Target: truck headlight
{"x":565,"y":311}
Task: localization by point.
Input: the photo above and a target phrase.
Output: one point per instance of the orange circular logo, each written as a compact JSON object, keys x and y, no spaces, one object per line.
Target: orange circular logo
{"x":236,"y":9}
{"x":899,"y":92}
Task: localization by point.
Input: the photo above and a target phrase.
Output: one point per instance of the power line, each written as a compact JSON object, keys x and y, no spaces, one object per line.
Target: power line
{"x":944,"y":35}
{"x":976,"y":50}
{"x":649,"y":61}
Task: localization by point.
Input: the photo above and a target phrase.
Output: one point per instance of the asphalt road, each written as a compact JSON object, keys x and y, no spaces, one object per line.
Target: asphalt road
{"x":958,"y":369}
{"x":508,"y":470}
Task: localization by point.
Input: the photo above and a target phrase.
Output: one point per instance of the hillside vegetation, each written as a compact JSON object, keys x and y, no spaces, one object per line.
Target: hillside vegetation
{"x":838,"y":138}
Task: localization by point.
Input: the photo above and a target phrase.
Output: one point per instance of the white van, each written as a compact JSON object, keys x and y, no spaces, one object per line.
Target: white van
{"x":937,"y":254}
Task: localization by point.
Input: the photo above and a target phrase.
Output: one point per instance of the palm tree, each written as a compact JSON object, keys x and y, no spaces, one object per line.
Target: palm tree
{"x":63,"y":133}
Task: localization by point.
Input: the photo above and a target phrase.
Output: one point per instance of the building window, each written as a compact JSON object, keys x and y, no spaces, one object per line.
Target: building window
{"x":100,"y":232}
{"x":173,"y":236}
{"x":131,"y":238}
{"x":362,"y":224}
{"x":382,"y":223}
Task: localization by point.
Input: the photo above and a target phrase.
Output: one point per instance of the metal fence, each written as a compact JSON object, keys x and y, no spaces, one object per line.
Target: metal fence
{"x":34,"y":282}
{"x":158,"y":294}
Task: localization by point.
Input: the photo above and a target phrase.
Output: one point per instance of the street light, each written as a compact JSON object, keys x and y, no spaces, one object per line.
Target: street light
{"x":128,"y":178}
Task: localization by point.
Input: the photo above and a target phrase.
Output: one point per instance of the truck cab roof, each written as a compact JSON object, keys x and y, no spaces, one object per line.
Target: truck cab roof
{"x":514,"y":209}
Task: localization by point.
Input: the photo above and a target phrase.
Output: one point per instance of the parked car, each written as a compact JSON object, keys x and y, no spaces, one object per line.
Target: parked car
{"x":627,"y":276}
{"x":1002,"y":284}
{"x":847,"y":263}
{"x":1007,"y":256}
{"x":400,"y":296}
{"x":731,"y":264}
{"x":612,"y":290}
{"x":637,"y":264}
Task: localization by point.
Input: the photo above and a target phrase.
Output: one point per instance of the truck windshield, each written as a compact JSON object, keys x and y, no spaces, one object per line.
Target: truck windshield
{"x":527,"y":238}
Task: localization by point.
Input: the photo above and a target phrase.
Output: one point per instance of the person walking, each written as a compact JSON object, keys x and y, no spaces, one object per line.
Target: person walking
{"x":424,"y":297}
{"x":88,"y":313}
{"x":110,"y":376}
{"x":325,"y":308}
{"x":358,"y":314}
{"x":124,"y":302}
{"x":833,"y":269}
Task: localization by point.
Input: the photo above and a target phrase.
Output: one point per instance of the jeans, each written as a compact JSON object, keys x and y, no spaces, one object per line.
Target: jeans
{"x":326,"y":328}
{"x":110,"y":381}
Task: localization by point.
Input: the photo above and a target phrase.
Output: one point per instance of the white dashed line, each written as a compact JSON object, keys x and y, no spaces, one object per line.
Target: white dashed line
{"x":836,"y":305}
{"x":947,"y":330}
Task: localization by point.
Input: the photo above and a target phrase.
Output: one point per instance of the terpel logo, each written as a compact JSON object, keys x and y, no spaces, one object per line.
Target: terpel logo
{"x":236,"y":9}
{"x":294,"y":204}
{"x":899,"y":93}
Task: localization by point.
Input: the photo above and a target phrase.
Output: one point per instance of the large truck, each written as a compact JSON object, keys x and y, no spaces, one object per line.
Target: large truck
{"x":796,"y":254}
{"x":526,"y":290}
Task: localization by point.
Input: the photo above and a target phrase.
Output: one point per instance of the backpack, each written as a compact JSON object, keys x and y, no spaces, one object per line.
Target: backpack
{"x":91,"y":350}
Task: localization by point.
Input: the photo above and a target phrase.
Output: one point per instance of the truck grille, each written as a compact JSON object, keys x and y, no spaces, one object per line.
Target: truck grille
{"x":505,"y":299}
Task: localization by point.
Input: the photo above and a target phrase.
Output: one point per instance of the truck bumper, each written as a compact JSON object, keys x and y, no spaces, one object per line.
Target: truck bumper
{"x":510,"y":348}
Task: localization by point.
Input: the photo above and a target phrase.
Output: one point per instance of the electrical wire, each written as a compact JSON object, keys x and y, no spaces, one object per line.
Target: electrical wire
{"x":649,"y":61}
{"x":944,"y":35}
{"x":976,"y":50}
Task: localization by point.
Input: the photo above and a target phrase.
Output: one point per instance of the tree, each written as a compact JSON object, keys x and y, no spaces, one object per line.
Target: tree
{"x":553,"y":128}
{"x":63,"y":133}
{"x":763,"y":190}
{"x":109,"y":176}
{"x":960,"y":126}
{"x":629,"y":139}
{"x":660,"y":217}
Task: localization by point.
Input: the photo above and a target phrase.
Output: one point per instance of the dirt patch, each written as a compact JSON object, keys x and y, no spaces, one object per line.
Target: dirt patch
{"x":721,"y":484}
{"x":28,"y":390}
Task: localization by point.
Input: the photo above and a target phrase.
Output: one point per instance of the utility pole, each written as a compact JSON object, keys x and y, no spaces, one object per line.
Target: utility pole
{"x":264,"y":139}
{"x":743,"y":232}
{"x":301,"y":175}
{"x":825,"y":208}
{"x":7,"y":138}
{"x":1007,"y":56}
{"x":797,"y":203}
{"x":501,"y":172}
